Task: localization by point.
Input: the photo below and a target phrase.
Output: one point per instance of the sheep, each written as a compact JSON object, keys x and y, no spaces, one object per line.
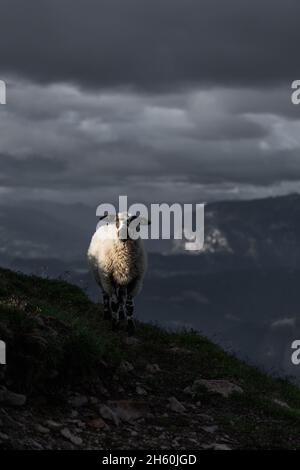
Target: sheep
{"x":118,"y":263}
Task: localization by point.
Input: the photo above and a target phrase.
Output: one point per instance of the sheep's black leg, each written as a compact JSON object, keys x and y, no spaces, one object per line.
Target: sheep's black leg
{"x":114,"y":308}
{"x":129,"y":314}
{"x":107,"y":312}
{"x":122,"y":302}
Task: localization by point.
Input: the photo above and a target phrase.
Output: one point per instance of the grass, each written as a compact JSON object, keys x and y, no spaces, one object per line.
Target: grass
{"x":56,"y":338}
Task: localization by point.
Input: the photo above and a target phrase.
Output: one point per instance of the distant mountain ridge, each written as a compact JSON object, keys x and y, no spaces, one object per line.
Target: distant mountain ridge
{"x":252,"y":233}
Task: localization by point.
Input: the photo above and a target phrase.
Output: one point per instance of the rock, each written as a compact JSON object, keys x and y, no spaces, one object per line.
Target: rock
{"x":103,"y":390}
{"x":188,"y":390}
{"x":129,"y":410}
{"x":141,"y":391}
{"x":210,"y":429}
{"x":53,"y":424}
{"x":132,"y":341}
{"x":97,"y":423}
{"x":94,"y":400}
{"x":42,"y":429}
{"x":179,"y":350}
{"x":109,"y":414}
{"x":11,"y":398}
{"x":221,"y":447}
{"x":175,"y":405}
{"x":40,"y":321}
{"x":65,"y":432}
{"x":126,"y":366}
{"x":152,"y":368}
{"x":80,"y":424}
{"x":283,"y":404}
{"x":222,"y":387}
{"x":205,"y":416}
{"x":34,"y":444}
{"x":66,"y":445}
{"x":78,"y":401}
{"x":3,"y":437}
{"x":192,"y":440}
{"x":77,"y":422}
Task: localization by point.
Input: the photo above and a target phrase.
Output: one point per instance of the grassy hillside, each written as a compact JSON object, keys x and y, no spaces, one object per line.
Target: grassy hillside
{"x":77,"y":373}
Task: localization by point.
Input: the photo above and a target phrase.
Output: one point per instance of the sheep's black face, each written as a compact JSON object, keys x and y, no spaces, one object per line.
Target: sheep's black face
{"x":124,"y":226}
{"x":127,"y":226}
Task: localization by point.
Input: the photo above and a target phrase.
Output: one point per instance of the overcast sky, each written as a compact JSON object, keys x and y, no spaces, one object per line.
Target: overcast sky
{"x":163,"y":100}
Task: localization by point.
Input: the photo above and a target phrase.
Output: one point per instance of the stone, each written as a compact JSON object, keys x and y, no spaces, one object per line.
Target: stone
{"x":179,"y":350}
{"x":210,"y":429}
{"x":66,"y":433}
{"x":175,"y":405}
{"x":42,"y":429}
{"x":11,"y":398}
{"x":222,"y":387}
{"x":109,"y":414}
{"x":126,"y":366}
{"x":152,"y":368}
{"x":34,"y":444}
{"x":103,"y":390}
{"x":97,"y":423}
{"x":221,"y":447}
{"x":281,"y":403}
{"x":141,"y":390}
{"x":3,"y":437}
{"x":53,"y":424}
{"x":129,"y":410}
{"x":94,"y":400}
{"x":78,"y":401}
{"x":132,"y":341}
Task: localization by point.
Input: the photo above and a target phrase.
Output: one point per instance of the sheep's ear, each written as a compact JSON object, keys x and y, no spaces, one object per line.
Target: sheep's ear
{"x":144,"y":221}
{"x":108,"y":217}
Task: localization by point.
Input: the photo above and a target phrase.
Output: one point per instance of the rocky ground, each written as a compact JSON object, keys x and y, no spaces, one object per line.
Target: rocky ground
{"x":71,"y":383}
{"x":138,"y":418}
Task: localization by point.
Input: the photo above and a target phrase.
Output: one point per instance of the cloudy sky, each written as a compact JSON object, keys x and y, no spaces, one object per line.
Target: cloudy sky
{"x":163,"y":100}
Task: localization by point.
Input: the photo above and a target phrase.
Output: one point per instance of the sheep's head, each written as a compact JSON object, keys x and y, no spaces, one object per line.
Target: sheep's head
{"x":127,"y":225}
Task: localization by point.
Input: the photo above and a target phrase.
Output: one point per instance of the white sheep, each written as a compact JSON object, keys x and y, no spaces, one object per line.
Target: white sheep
{"x":119,"y":264}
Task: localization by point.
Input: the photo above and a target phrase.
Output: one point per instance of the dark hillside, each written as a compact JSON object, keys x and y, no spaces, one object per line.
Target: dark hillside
{"x":70,"y":382}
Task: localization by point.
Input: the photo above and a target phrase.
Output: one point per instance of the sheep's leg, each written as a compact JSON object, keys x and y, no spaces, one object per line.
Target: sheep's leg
{"x":106,"y":306}
{"x":122,"y":293}
{"x":115,"y":309}
{"x":129,"y":314}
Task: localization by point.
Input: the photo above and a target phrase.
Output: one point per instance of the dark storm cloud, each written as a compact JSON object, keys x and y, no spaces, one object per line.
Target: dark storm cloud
{"x":92,"y":140}
{"x":61,"y":142}
{"x":151,"y":43}
{"x":29,"y":170}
